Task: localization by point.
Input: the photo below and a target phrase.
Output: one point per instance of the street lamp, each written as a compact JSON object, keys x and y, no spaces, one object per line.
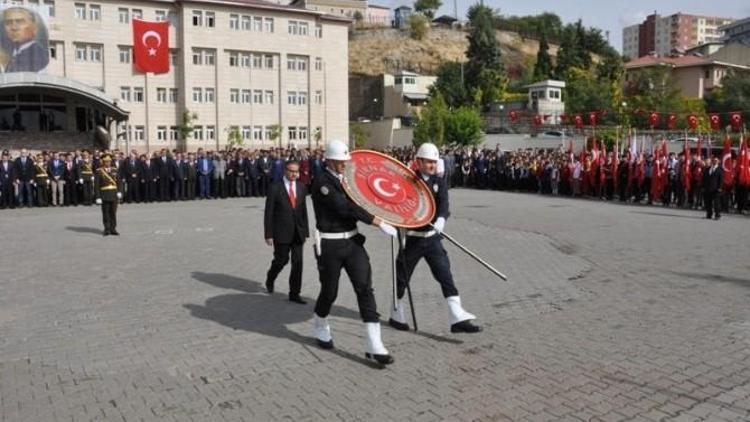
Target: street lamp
{"x":374,"y":106}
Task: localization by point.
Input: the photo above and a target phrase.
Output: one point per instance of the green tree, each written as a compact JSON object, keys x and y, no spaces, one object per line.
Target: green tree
{"x":654,"y":89}
{"x":463,"y":126}
{"x":584,"y":92}
{"x":359,"y":134}
{"x":733,"y":95}
{"x":274,"y":133}
{"x":450,"y":84}
{"x":418,"y":26}
{"x":570,"y":53}
{"x":234,"y":137}
{"x":431,"y":124}
{"x":543,"y":66}
{"x":428,"y":7}
{"x":484,"y":51}
{"x":490,"y":87}
{"x":185,"y":129}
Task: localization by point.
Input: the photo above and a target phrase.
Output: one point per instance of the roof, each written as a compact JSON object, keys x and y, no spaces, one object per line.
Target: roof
{"x":415,"y":96}
{"x":546,"y":83}
{"x":403,"y":8}
{"x":734,"y":24}
{"x":265,"y":5}
{"x":377,"y":6}
{"x":676,"y":62}
{"x":445,"y":18}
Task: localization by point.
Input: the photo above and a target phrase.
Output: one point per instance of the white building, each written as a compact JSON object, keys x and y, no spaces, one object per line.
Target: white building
{"x":546,"y":99}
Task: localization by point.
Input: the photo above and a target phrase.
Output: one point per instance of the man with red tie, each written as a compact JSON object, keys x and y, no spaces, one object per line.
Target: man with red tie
{"x":286,"y":228}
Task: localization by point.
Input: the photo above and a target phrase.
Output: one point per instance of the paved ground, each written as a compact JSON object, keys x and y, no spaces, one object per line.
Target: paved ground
{"x":611,"y":313}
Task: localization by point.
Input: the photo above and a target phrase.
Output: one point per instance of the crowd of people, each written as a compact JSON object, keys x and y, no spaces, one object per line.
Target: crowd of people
{"x":66,"y":178}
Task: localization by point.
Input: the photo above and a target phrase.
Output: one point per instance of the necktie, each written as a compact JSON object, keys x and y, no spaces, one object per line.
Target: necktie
{"x":292,"y":196}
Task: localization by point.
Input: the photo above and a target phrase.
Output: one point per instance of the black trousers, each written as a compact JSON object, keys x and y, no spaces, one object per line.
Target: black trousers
{"x":281,"y":254}
{"x":712,"y":201}
{"x":109,"y":215}
{"x":432,"y":250}
{"x":71,"y":192}
{"x":133,"y":195}
{"x":88,"y":192}
{"x":164,"y":194}
{"x":7,"y":195}
{"x":350,"y":255}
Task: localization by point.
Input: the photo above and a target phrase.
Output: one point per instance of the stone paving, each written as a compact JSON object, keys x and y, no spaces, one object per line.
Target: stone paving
{"x":611,"y":313}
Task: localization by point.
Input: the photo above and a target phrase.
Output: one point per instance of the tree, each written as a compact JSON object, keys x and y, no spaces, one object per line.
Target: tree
{"x":734,"y":95}
{"x":543,"y":66}
{"x":584,"y":93}
{"x":464,"y":126}
{"x":359,"y":135}
{"x":490,"y":87}
{"x":570,"y":53}
{"x":428,"y":7}
{"x":483,"y":53}
{"x":654,"y":89}
{"x":431,"y":124}
{"x":274,"y":133}
{"x":186,"y":128}
{"x":418,"y":26}
{"x":450,"y":84}
{"x":234,"y":137}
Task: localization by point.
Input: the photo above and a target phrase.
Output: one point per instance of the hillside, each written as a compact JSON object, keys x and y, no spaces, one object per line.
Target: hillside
{"x":387,"y":50}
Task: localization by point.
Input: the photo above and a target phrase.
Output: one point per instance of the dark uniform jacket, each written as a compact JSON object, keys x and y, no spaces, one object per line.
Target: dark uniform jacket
{"x":281,"y":221}
{"x":712,"y":182}
{"x":105,"y":183}
{"x":334,"y":211}
{"x":25,"y":172}
{"x":439,"y":188}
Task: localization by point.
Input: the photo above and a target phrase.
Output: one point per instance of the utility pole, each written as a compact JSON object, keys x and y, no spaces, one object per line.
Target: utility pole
{"x":455,"y":9}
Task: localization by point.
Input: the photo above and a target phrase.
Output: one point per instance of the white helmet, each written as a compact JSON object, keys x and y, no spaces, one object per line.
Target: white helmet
{"x":428,"y":151}
{"x":337,"y":150}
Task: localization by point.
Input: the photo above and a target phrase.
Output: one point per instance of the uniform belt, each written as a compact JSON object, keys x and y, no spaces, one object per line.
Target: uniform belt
{"x":413,"y":233}
{"x":342,"y":235}
{"x":108,"y":187}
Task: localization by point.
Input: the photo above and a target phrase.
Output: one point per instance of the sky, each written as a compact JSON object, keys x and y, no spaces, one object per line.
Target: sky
{"x":612,"y":15}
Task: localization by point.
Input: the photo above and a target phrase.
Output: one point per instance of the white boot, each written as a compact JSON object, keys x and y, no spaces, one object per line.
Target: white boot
{"x":374,"y":348}
{"x":460,"y":319}
{"x":322,"y":333}
{"x":398,"y":319}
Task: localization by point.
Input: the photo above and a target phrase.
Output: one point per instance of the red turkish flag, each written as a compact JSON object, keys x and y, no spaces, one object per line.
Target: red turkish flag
{"x":592,"y":118}
{"x":715,"y":121}
{"x":563,"y":119}
{"x":537,"y":120}
{"x":744,"y":164}
{"x":513,"y":116}
{"x":578,"y":121}
{"x":151,"y":46}
{"x":671,"y":121}
{"x":726,"y":163}
{"x":736,"y":120}
{"x":653,"y":119}
{"x":692,"y":122}
{"x":686,"y":167}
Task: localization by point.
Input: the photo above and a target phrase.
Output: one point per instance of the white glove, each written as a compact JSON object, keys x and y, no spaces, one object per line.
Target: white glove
{"x":119,"y":195}
{"x":98,"y":201}
{"x":388,"y":229}
{"x":439,"y":224}
{"x":80,"y":181}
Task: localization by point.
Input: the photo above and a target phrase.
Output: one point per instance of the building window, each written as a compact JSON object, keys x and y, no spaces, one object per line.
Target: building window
{"x":302,"y":133}
{"x":80,"y":52}
{"x":161,"y":15}
{"x":209,"y":57}
{"x":257,"y":24}
{"x":257,"y":133}
{"x":197,"y":95}
{"x":302,"y":98}
{"x":257,"y":96}
{"x":234,"y":22}
{"x":268,"y":59}
{"x":292,"y":133}
{"x":95,"y":12}
{"x":291,"y":98}
{"x":161,"y":133}
{"x":257,"y":61}
{"x":173,"y":57}
{"x":246,"y":132}
{"x":269,"y":97}
{"x":318,"y":97}
{"x":138,"y":95}
{"x":123,"y":15}
{"x":209,"y":96}
{"x":198,"y":133}
{"x":50,"y":7}
{"x":139,"y":133}
{"x":233,"y":60}
{"x":318,"y":31}
{"x":161,"y":95}
{"x":234,"y":96}
{"x":318,"y":63}
{"x":125,"y":93}
{"x":95,"y":53}
{"x":268,"y":22}
{"x":173,"y":95}
{"x":210,"y":19}
{"x":267,"y":133}
{"x":246,"y":96}
{"x":80,"y":11}
{"x":303,"y":28}
{"x":125,"y":53}
{"x":246,"y":60}
{"x":136,"y":14}
{"x":293,"y":27}
{"x":52,"y":50}
{"x":174,"y":134}
{"x":296,"y":63}
{"x":197,"y":18}
{"x":210,"y":133}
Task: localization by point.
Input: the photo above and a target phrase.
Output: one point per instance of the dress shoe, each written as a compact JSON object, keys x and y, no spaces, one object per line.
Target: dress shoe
{"x":269,"y":286}
{"x":114,"y":233}
{"x":398,"y":325}
{"x":106,"y":233}
{"x":465,"y":327}
{"x":297,"y":299}
{"x":381,"y":359}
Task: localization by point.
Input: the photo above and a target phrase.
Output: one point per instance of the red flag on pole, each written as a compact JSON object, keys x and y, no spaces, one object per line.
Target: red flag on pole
{"x":537,"y":120}
{"x":686,"y":167}
{"x":578,"y":121}
{"x":692,"y":122}
{"x":715,"y":121}
{"x":736,"y":120}
{"x":744,"y":164}
{"x":151,"y":46}
{"x":726,"y":163}
{"x":671,"y":121}
{"x":592,"y":118}
{"x":513,"y":116}
{"x":653,"y":119}
{"x":698,"y":169}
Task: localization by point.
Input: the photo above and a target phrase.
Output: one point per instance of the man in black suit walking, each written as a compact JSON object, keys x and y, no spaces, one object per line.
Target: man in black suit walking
{"x":713,"y":177}
{"x":286,"y":228}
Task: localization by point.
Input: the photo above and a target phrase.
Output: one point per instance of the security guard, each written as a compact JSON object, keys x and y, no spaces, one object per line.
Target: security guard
{"x":107,"y":196}
{"x":425,"y":242}
{"x":339,"y":245}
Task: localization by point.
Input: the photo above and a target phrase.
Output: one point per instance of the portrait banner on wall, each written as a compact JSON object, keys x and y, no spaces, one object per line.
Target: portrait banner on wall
{"x":24,"y":39}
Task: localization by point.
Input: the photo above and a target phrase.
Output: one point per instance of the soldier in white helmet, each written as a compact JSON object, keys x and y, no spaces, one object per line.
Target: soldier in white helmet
{"x":341,"y":246}
{"x":425,"y":242}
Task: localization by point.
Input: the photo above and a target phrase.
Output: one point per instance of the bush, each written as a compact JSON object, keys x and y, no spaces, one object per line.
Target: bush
{"x":418,"y":26}
{"x":464,"y":126}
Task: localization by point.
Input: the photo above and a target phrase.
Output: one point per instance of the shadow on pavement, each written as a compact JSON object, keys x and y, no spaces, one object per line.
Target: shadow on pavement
{"x":79,"y":229}
{"x":666,"y":214}
{"x":268,"y":315}
{"x":744,"y":282}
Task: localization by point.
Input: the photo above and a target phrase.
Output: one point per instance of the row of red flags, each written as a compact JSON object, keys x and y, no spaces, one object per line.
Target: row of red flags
{"x":659,"y":180}
{"x":655,"y":119}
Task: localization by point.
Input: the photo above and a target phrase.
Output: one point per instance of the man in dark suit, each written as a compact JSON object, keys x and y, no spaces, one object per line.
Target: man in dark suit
{"x":178,"y":175}
{"x":205,"y":168}
{"x":7,"y":181}
{"x":252,"y":174}
{"x":24,"y":177}
{"x":163,"y":166}
{"x":191,"y":176}
{"x":132,"y":175}
{"x":286,"y":228}
{"x":713,"y":177}
{"x":71,"y":180}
